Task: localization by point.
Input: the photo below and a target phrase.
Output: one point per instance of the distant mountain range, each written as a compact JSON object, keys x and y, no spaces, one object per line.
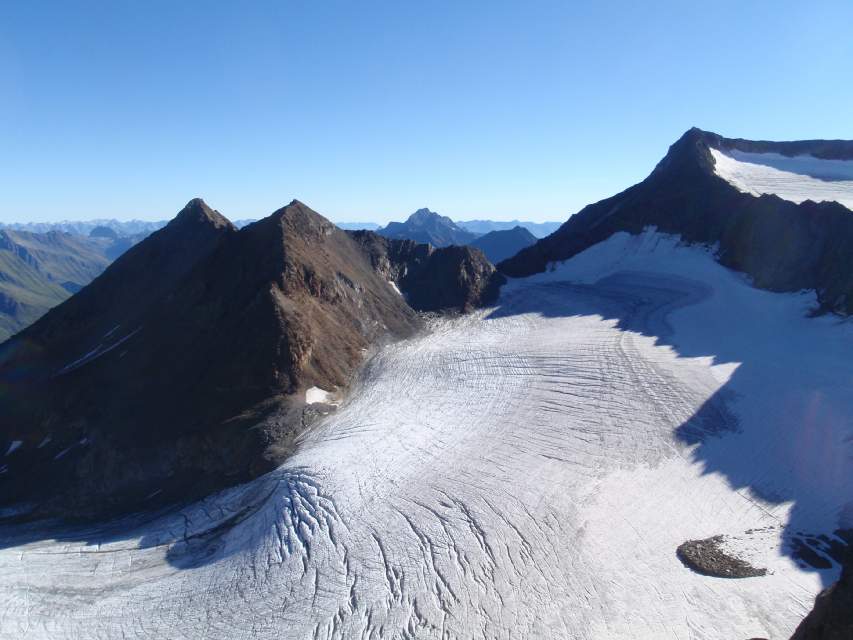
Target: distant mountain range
{"x":123,"y":228}
{"x":538,"y":229}
{"x":479,"y":227}
{"x":356,"y":226}
{"x":40,"y":270}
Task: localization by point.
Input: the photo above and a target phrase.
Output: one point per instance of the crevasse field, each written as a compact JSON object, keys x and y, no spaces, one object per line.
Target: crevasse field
{"x":524,"y":472}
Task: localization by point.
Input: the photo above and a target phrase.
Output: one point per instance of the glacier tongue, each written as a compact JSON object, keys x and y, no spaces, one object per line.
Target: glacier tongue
{"x":524,"y":472}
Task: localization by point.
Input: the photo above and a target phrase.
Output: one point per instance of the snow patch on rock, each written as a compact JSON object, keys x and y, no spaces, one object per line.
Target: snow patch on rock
{"x":14,"y":446}
{"x":316,"y":395}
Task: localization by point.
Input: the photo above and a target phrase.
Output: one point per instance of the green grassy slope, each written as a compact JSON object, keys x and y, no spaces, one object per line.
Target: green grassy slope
{"x":38,"y":271}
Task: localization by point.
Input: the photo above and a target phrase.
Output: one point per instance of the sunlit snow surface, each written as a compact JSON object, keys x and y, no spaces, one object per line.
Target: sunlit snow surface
{"x":316,"y":394}
{"x":796,"y":178}
{"x":524,"y":472}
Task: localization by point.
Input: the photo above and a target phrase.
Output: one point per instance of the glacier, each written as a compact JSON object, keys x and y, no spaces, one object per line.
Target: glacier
{"x":525,"y":471}
{"x":794,"y":178}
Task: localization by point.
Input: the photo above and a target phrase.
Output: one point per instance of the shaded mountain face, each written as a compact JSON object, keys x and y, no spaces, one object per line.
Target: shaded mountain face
{"x":40,"y":270}
{"x":447,"y":279}
{"x":428,"y":227}
{"x":184,"y":367}
{"x":832,"y":615}
{"x":500,"y":245}
{"x":480,"y":227}
{"x":784,"y":243}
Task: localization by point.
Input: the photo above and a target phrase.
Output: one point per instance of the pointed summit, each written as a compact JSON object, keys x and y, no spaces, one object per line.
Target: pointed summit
{"x":691,"y":193}
{"x":132,"y":283}
{"x":296,"y":221}
{"x":197,"y":212}
{"x":423,"y":214}
{"x":427,"y":226}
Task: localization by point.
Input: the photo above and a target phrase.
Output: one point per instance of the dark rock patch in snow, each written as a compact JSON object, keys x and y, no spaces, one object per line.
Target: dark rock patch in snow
{"x":708,"y":558}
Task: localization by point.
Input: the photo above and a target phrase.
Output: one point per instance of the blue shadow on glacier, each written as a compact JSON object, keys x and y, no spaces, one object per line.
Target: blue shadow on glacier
{"x":642,"y":303}
{"x":277,"y":514}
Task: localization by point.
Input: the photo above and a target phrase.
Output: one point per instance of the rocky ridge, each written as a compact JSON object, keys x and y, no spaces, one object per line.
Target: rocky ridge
{"x":780,"y":245}
{"x":183,"y":367}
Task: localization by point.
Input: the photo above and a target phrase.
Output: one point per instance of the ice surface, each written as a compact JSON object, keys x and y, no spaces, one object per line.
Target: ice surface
{"x":795,"y":178}
{"x":523,"y":472}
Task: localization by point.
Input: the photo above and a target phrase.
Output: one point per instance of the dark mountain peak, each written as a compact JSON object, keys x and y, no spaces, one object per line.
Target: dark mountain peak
{"x":428,"y":227}
{"x":426,"y":216}
{"x":295,"y":222}
{"x":518,"y":229}
{"x":684,"y":195}
{"x":696,"y":142}
{"x":297,"y":212}
{"x":688,"y":156}
{"x":197,"y":213}
{"x":423,"y":214}
{"x":131,"y":285}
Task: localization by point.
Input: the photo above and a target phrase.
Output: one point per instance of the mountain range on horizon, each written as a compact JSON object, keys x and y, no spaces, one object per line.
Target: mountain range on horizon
{"x":129,"y":228}
{"x":29,"y":286}
{"x":40,"y":270}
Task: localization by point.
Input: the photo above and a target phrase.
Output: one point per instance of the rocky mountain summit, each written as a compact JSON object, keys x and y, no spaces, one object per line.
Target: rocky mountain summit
{"x":723,"y":192}
{"x":184,"y":367}
{"x":426,"y":226}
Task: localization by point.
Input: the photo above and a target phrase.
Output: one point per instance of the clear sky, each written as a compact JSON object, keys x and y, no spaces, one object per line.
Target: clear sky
{"x":369,"y":110}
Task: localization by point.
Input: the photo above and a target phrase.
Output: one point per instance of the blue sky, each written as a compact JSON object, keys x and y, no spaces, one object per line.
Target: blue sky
{"x":369,"y":110}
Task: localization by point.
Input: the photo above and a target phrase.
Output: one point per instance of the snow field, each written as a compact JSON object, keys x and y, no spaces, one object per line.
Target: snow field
{"x":795,"y":178}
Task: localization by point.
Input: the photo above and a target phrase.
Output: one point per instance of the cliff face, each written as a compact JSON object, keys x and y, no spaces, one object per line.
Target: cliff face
{"x":454,"y":278}
{"x":832,"y":616}
{"x":782,"y":245}
{"x":184,"y":367}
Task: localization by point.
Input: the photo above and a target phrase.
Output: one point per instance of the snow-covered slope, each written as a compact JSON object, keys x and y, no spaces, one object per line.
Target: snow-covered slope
{"x":524,"y":472}
{"x":795,"y":178}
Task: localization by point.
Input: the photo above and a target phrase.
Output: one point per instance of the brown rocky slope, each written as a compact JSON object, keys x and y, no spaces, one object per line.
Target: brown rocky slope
{"x":182,"y":369}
